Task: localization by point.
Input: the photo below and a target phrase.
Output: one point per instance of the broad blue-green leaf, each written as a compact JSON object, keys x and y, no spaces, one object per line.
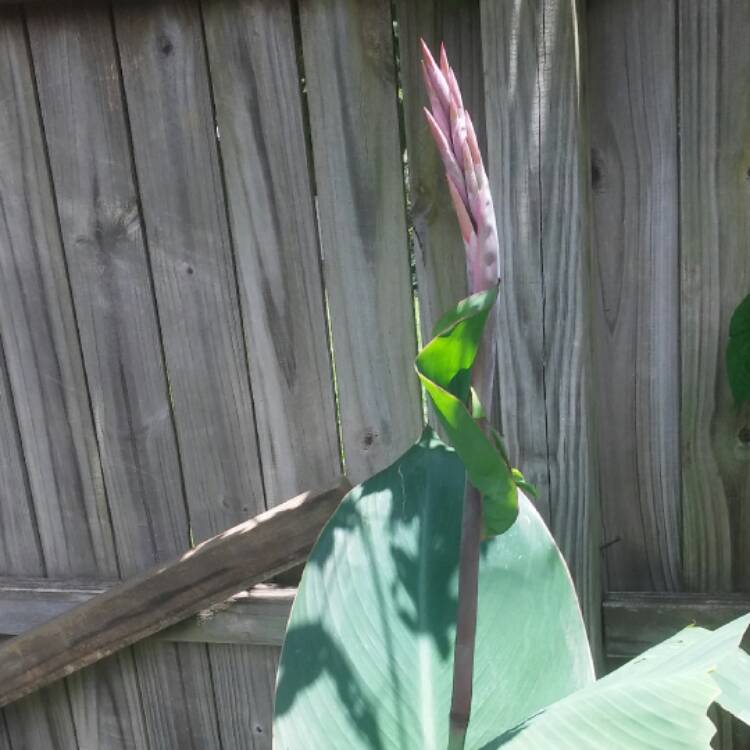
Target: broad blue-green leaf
{"x":738,"y":352}
{"x":656,"y":702}
{"x":733,"y":678}
{"x":367,"y":662}
{"x":444,"y":367}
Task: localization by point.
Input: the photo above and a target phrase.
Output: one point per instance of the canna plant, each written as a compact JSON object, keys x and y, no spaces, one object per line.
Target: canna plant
{"x":435,"y":610}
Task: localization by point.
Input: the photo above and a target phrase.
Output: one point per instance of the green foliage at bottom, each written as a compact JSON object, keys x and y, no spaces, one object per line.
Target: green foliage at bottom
{"x":367,"y":662}
{"x":368,"y":657}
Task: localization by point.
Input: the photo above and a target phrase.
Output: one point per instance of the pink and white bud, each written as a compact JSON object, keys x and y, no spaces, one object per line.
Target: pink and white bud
{"x":454,"y":134}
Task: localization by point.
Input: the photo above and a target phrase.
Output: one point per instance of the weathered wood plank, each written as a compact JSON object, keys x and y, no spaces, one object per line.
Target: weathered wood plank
{"x":20,"y":549}
{"x":260,"y":683}
{"x":44,"y":719}
{"x":45,"y":372}
{"x":205,"y":575}
{"x":351,"y":89}
{"x":438,"y":248}
{"x":566,"y":262}
{"x":256,"y":89}
{"x":634,"y":622}
{"x":510,"y":42}
{"x":633,"y":92}
{"x":257,"y":617}
{"x":714,"y":95}
{"x":175,"y":141}
{"x":4,"y":736}
{"x":80,"y":96}
{"x":539,"y":170}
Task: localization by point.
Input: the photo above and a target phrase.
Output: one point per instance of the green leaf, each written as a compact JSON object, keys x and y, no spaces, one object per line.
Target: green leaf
{"x":444,"y":367}
{"x":738,"y":352}
{"x":656,"y":702}
{"x":367,"y":662}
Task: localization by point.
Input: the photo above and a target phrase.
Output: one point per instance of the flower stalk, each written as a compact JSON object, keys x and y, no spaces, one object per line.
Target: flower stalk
{"x":453,"y":131}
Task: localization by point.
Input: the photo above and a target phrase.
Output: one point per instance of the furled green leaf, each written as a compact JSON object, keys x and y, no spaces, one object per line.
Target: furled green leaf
{"x":367,"y":662}
{"x":444,"y":367}
{"x":738,"y":352}
{"x":656,"y":702}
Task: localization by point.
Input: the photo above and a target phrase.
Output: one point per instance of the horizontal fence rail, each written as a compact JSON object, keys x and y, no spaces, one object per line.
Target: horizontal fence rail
{"x":207,"y":574}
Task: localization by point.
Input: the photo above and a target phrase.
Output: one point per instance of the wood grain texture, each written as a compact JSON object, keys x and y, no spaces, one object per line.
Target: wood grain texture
{"x":80,"y":96}
{"x":4,"y":736}
{"x":163,"y":54}
{"x":714,"y":95}
{"x":169,"y":103}
{"x":20,"y":549}
{"x":46,"y":716}
{"x":636,"y":621}
{"x":256,"y":89}
{"x":205,"y":575}
{"x":538,"y":163}
{"x":632,"y":78}
{"x":566,"y":251}
{"x":438,"y":248}
{"x":351,"y":89}
{"x":256,"y":617}
{"x":45,"y":373}
{"x":510,"y":39}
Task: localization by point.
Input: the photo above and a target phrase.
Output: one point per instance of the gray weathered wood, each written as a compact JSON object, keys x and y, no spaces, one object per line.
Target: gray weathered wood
{"x":566,"y":262}
{"x":174,"y":139}
{"x":4,"y":736}
{"x":714,"y":70}
{"x":47,"y":714}
{"x":438,"y":248}
{"x":20,"y":550}
{"x":45,"y":372}
{"x":256,"y":617}
{"x":256,"y":88}
{"x":165,"y":72}
{"x":538,"y":163}
{"x":80,"y":96}
{"x":351,"y":89}
{"x":634,"y":622}
{"x":205,"y":575}
{"x":632,"y":74}
{"x":510,"y":40}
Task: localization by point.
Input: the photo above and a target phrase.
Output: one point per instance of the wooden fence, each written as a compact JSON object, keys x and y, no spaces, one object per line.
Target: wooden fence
{"x":224,"y":230}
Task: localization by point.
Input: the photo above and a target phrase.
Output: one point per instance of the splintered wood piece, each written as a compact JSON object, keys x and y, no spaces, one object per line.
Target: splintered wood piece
{"x":213,"y":571}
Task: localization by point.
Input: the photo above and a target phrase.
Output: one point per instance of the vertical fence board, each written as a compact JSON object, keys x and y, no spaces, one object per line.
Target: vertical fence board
{"x":174,"y":139}
{"x":438,"y":248}
{"x":351,"y":86}
{"x":632,"y":74}
{"x":714,"y":75}
{"x":257,"y":92}
{"x":20,"y":550}
{"x":564,"y":184}
{"x":46,"y":715}
{"x":80,"y":96}
{"x":40,"y":340}
{"x":4,"y":736}
{"x":255,"y":683}
{"x":256,"y":87}
{"x":168,"y":91}
{"x":538,"y":169}
{"x":510,"y":40}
